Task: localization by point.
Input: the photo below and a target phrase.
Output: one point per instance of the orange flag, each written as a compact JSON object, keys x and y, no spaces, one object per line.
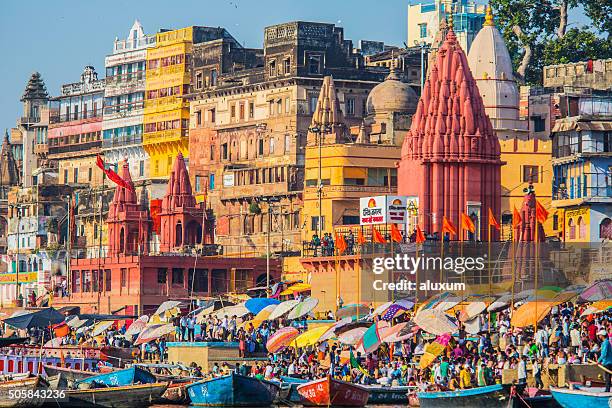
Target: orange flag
{"x":541,"y":213}
{"x":360,"y":238}
{"x":492,"y":221}
{"x":377,"y":236}
{"x":340,"y":243}
{"x":466,"y":223}
{"x":420,"y":237}
{"x":448,"y":226}
{"x":396,"y":235}
{"x":516,"y":219}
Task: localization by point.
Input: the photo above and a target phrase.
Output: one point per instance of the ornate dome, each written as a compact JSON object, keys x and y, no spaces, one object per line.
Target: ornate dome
{"x":392,"y":95}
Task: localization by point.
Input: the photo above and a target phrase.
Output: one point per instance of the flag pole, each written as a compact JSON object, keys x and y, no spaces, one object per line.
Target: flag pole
{"x":490,"y":271}
{"x":537,"y":245}
{"x":512,"y":268}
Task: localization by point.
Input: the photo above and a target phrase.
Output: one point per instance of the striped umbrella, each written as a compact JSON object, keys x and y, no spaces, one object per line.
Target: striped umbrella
{"x":352,"y":336}
{"x":435,"y":322}
{"x":303,"y":308}
{"x":310,"y":337}
{"x":281,"y":339}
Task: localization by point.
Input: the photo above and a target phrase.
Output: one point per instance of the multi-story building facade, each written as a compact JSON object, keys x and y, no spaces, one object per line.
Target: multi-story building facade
{"x":582,"y":168}
{"x":166,"y":112}
{"x":75,"y":140}
{"x":122,"y":124}
{"x":249,"y":127}
{"x":425,"y":18}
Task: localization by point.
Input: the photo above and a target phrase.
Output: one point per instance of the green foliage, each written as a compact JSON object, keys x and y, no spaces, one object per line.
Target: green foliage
{"x":254,"y":208}
{"x":535,"y":24}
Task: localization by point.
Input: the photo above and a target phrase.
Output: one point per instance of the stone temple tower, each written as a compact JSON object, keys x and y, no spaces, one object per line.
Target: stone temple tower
{"x":451,"y":156}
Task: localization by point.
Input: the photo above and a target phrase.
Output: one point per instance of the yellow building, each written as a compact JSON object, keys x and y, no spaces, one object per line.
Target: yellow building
{"x":166,"y":114}
{"x":355,"y":164}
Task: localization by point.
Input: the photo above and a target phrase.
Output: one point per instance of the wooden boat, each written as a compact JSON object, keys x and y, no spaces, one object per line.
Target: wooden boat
{"x":176,"y":393}
{"x":293,"y":395}
{"x":129,"y":396}
{"x":582,"y":397}
{"x":128,"y":376}
{"x":329,"y":391}
{"x":388,"y":395}
{"x":232,"y":390}
{"x":69,"y":374}
{"x":19,"y":386}
{"x":534,"y":398}
{"x":491,"y":396}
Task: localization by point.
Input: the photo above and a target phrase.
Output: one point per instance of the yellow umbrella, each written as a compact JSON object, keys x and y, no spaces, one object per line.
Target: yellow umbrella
{"x":310,"y":337}
{"x":297,"y":288}
{"x":602,"y":305}
{"x":530,"y":313}
{"x":261,"y":317}
{"x":432,"y":351}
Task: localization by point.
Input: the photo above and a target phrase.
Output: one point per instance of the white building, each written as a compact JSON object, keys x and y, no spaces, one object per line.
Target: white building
{"x":424,"y":21}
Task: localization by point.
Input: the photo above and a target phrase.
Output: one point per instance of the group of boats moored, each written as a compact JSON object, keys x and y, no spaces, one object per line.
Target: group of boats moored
{"x":142,"y":385}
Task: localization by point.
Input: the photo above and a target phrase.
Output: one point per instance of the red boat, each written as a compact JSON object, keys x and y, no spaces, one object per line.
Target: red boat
{"x":331,"y":392}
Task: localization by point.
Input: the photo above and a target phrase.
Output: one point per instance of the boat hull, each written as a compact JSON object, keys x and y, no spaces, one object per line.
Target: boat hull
{"x":492,"y":396}
{"x":294,"y":383}
{"x":329,"y":391}
{"x":21,"y":385}
{"x":581,"y":398}
{"x":131,"y":396}
{"x":388,"y":395}
{"x":232,"y":391}
{"x":68,"y":373}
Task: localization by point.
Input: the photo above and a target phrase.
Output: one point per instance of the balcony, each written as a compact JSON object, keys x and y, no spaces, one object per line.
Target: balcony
{"x":29,"y":120}
{"x":165,"y":103}
{"x":73,"y":147}
{"x":164,"y":136}
{"x":122,"y":141}
{"x":255,"y":190}
{"x":125,"y":77}
{"x":562,"y":197}
{"x":89,"y":114}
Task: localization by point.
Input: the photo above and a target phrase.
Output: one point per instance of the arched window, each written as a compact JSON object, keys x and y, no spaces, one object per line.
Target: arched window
{"x":122,"y":240}
{"x":605,"y":229}
{"x":572,"y":228}
{"x":582,"y":233}
{"x":178,"y":234}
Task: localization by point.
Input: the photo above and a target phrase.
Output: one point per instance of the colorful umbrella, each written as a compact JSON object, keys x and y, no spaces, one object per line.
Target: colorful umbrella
{"x":352,"y":336}
{"x":355,"y":311}
{"x":167,"y":305}
{"x":154,"y":332}
{"x":382,"y":308}
{"x":530,"y":313}
{"x":100,"y":327}
{"x":303,"y":308}
{"x":283,"y":308}
{"x":281,"y":339}
{"x":256,"y":305}
{"x":600,"y":290}
{"x":297,"y":288}
{"x":471,"y":310}
{"x":396,"y":307}
{"x":399,"y":332}
{"x":370,"y":341}
{"x":136,"y":327}
{"x":310,"y":337}
{"x":262,"y":316}
{"x":435,"y":322}
{"x":434,"y":349}
{"x":331,"y":332}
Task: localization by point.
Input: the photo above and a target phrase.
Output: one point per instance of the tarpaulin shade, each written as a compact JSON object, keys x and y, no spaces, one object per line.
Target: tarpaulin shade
{"x":39,"y":318}
{"x":256,"y":305}
{"x":530,"y":313}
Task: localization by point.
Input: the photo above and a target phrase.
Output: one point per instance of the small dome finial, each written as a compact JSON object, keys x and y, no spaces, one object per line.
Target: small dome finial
{"x":450,"y":21}
{"x":488,"y":16}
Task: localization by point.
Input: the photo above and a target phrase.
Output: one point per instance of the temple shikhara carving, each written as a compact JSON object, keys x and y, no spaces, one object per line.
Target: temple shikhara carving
{"x":451,"y":156}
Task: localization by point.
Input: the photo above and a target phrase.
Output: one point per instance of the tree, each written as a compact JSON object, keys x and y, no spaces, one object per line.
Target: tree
{"x":536,"y":33}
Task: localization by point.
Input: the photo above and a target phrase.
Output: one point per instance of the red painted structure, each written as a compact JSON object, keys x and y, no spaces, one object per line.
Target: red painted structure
{"x":451,"y":155}
{"x":133,"y":279}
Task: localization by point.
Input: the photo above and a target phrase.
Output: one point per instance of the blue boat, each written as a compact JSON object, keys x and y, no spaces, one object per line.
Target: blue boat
{"x":582,"y":397}
{"x":232,"y":390}
{"x":491,"y":396}
{"x":388,"y":394}
{"x":120,"y":378}
{"x":293,"y":382}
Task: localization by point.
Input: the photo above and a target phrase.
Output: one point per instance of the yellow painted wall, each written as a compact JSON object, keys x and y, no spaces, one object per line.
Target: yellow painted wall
{"x":517,"y":155}
{"x":164,"y":145}
{"x":340,"y":161}
{"x":576,"y":217}
{"x":83,"y":164}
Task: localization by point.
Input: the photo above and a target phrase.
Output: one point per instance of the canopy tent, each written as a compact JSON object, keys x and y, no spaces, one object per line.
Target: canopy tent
{"x":256,"y":305}
{"x":303,"y":308}
{"x":530,"y":313}
{"x":310,"y":337}
{"x":167,"y":306}
{"x":435,"y":322}
{"x":283,"y":308}
{"x":281,"y":339}
{"x":39,"y":318}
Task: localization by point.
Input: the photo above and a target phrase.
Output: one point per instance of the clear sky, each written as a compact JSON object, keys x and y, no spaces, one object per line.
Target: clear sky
{"x":59,"y":37}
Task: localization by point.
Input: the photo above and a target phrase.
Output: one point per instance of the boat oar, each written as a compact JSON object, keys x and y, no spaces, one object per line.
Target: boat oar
{"x":600,"y":366}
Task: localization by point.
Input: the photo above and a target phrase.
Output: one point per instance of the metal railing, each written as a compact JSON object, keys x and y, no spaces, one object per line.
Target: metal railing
{"x":88,"y":114}
{"x":123,"y":140}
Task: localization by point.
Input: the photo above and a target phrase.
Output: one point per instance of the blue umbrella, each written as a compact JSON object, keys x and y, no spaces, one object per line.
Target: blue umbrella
{"x":256,"y":305}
